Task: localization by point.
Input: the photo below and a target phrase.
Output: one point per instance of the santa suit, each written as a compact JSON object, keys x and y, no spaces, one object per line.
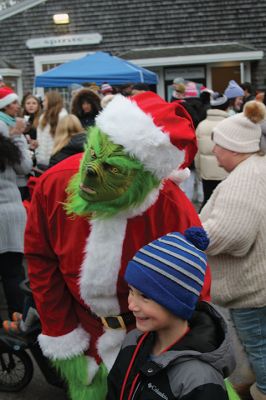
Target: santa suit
{"x":76,"y":268}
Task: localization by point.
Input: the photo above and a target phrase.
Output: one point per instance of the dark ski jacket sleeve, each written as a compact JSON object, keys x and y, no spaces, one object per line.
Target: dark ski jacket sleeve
{"x":209,"y":391}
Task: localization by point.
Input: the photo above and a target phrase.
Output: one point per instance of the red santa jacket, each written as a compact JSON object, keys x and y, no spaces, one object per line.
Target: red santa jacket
{"x":70,"y":260}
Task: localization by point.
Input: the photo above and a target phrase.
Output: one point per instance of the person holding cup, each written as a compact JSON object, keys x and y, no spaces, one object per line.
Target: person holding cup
{"x":11,"y":126}
{"x":31,"y":111}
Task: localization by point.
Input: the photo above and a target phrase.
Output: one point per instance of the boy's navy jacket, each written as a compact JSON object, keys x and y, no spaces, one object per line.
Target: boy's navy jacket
{"x":192,"y":369}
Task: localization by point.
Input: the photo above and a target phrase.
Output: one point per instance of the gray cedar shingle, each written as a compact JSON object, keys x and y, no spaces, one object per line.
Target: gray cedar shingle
{"x":131,"y":24}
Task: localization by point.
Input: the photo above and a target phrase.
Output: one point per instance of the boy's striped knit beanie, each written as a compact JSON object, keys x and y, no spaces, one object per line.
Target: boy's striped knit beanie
{"x":171,"y":270}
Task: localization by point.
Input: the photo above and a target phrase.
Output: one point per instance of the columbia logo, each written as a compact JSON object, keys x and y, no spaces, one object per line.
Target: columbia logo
{"x":157,"y":391}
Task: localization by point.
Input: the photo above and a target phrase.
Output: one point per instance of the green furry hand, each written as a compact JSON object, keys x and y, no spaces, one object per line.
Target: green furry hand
{"x":75,"y":372}
{"x":74,"y":369}
{"x":230,"y":391}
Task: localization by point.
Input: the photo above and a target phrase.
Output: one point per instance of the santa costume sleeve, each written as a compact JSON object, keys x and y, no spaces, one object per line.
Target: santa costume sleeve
{"x":62,"y":337}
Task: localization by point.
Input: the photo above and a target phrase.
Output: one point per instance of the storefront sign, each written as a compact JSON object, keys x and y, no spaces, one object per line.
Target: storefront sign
{"x":185,"y":72}
{"x":67,"y":40}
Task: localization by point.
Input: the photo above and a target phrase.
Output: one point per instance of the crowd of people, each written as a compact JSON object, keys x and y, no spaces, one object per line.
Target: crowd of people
{"x":109,"y":158}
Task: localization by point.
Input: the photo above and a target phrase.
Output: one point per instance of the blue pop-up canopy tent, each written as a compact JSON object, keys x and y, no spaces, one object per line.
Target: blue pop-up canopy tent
{"x":98,"y":67}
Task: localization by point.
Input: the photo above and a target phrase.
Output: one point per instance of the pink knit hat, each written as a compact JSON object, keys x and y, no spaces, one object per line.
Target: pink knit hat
{"x":191,"y":90}
{"x":106,"y":88}
{"x":7,"y":96}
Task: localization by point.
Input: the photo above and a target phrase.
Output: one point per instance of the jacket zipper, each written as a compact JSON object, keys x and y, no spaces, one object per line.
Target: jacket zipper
{"x":137,"y":389}
{"x":130,"y":366}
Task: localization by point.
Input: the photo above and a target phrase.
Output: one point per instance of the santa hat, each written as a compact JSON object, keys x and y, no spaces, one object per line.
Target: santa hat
{"x":218,"y":100}
{"x":7,"y":96}
{"x":106,"y":88}
{"x":204,"y":89}
{"x":159,"y":134}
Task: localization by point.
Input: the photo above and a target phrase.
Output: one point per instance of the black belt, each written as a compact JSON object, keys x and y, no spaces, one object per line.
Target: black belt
{"x":115,"y":321}
{"x":118,"y":321}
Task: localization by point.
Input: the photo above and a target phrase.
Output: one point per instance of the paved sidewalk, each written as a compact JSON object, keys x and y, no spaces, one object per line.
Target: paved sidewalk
{"x":38,"y":389}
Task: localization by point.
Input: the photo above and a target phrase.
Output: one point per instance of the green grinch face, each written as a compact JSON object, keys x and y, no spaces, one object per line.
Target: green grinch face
{"x":106,"y":171}
{"x":109,"y":180}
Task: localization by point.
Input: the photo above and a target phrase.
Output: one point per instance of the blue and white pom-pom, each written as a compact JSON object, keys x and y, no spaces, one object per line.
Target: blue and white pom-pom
{"x":198,"y":237}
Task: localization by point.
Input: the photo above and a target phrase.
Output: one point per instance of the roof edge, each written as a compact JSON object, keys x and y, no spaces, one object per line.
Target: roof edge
{"x":18,"y":8}
{"x":10,"y":72}
{"x":190,"y":45}
{"x":199,"y":59}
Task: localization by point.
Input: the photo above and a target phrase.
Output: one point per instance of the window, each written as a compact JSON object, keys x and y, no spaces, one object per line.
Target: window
{"x":45,"y":63}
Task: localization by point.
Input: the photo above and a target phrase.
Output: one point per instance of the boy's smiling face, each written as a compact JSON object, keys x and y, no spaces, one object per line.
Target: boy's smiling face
{"x":150,"y":316}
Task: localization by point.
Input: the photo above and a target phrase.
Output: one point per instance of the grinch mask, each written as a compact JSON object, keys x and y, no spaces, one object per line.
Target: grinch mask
{"x":109,"y":180}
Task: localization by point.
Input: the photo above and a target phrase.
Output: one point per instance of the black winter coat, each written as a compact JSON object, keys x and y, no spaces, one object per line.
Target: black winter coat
{"x":192,"y":369}
{"x":76,"y":145}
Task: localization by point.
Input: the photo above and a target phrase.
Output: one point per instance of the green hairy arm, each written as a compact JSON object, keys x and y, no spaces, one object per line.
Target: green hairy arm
{"x":75,"y":373}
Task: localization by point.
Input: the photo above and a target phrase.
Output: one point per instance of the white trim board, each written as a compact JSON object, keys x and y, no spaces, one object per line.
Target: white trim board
{"x":199,"y":59}
{"x":54,"y":59}
{"x":188,"y":46}
{"x":10,"y":72}
{"x":18,"y":8}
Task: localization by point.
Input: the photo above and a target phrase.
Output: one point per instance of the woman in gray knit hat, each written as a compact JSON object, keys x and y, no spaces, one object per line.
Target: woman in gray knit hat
{"x":235,"y":221}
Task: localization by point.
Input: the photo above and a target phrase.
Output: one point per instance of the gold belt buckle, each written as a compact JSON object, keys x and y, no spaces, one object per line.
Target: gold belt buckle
{"x":120,"y":320}
{"x":104,"y":322}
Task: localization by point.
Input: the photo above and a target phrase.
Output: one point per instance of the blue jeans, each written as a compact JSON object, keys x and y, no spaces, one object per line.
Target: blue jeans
{"x":250,"y":324}
{"x":192,"y":186}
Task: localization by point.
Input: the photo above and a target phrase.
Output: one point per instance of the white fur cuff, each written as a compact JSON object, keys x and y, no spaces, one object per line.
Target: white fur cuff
{"x":92,"y":369}
{"x":66,"y":346}
{"x":109,"y":345}
{"x":179,"y":175}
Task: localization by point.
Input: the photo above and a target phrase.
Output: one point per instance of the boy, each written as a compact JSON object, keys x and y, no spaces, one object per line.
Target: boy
{"x":180,"y":350}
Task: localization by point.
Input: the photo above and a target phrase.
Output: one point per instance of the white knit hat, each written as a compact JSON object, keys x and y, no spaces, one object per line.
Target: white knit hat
{"x":241,"y":132}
